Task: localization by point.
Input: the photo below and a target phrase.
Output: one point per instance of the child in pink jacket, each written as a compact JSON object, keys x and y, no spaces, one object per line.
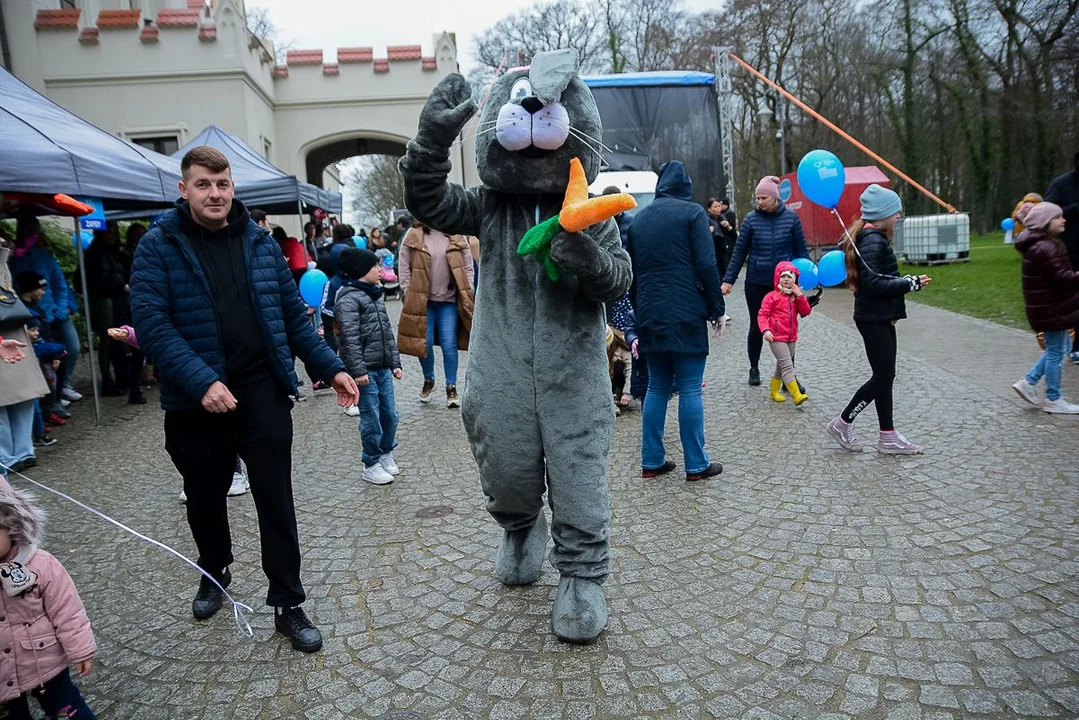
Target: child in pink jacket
{"x":778,"y":322}
{"x":43,"y":624}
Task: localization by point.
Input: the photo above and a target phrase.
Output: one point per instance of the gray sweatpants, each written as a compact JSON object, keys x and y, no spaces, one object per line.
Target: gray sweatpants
{"x":784,"y":353}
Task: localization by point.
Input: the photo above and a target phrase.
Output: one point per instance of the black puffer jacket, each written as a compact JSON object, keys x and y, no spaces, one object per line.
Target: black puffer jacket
{"x":365,"y":339}
{"x":879,"y":297}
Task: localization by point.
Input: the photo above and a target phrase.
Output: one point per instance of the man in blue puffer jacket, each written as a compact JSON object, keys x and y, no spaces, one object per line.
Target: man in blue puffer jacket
{"x":218,"y":313}
{"x":769,"y":234}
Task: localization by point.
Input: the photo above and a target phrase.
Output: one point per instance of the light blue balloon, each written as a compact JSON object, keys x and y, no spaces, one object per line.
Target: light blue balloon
{"x":822,"y":178}
{"x":360,"y":242}
{"x":311,"y":284}
{"x":86,"y":236}
{"x":807,"y":273}
{"x":1007,"y":224}
{"x":832,"y":269}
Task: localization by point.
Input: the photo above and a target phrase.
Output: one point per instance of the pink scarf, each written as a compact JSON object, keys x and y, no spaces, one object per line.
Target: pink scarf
{"x":28,"y":246}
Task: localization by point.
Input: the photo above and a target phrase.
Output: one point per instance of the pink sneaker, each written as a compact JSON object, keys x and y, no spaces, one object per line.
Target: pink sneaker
{"x":892,"y":443}
{"x":843,"y":433}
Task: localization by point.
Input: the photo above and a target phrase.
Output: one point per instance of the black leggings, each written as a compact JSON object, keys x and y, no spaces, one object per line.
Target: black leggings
{"x":754,"y":297}
{"x":880,"y":348}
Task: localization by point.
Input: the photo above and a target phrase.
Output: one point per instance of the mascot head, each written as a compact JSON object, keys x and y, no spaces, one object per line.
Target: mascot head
{"x":541,"y":116}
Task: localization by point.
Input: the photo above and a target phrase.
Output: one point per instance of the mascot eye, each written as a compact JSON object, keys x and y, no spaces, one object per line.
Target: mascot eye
{"x":521,"y":90}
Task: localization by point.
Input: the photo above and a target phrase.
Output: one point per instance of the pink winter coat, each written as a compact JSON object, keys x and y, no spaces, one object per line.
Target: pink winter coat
{"x":42,"y":631}
{"x":779,"y":311}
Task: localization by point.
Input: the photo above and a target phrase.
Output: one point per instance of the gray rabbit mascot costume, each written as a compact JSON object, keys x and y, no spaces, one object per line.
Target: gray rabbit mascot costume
{"x":537,"y":403}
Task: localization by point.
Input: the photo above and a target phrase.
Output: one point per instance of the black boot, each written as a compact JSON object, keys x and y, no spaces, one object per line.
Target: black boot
{"x":710,"y":471}
{"x":293,"y":623}
{"x":135,"y":397}
{"x":754,"y":376}
{"x":208,"y":599}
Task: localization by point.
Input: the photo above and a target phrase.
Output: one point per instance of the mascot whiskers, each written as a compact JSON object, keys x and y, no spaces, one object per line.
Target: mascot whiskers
{"x":537,"y":402}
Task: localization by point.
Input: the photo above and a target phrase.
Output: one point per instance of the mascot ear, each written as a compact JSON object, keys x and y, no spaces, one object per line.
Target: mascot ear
{"x":551,"y":72}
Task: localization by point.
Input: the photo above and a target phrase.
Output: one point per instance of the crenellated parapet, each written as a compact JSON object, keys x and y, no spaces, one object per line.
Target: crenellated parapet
{"x":407,"y":57}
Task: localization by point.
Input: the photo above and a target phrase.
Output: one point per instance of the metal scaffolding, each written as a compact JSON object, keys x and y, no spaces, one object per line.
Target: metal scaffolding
{"x":725,"y":97}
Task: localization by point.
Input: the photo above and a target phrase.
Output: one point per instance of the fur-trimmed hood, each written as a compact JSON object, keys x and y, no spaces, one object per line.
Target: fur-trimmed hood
{"x":24,"y":520}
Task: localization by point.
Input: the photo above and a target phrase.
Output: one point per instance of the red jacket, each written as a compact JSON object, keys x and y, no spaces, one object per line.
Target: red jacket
{"x":779,"y":311}
{"x":295,"y":254}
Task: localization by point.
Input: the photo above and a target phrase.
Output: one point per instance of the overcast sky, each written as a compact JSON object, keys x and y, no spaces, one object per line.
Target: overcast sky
{"x":330,"y":24}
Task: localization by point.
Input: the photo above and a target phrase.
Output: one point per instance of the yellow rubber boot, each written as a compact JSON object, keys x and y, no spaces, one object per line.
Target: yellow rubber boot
{"x":799,"y":396}
{"x":776,"y":395}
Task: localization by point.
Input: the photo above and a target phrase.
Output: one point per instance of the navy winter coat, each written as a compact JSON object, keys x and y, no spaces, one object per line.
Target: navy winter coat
{"x":177,"y":325}
{"x":764,"y":240}
{"x":676,"y":287}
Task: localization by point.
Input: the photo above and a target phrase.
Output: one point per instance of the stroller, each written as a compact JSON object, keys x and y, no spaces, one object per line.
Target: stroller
{"x":391,"y":285}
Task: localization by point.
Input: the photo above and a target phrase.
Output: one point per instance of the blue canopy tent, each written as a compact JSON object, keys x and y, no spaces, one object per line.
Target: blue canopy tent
{"x":46,"y":149}
{"x":260,"y":184}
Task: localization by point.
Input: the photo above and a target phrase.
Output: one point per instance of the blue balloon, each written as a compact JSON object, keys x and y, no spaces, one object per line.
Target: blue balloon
{"x":832,"y":268}
{"x":807,"y":273}
{"x":822,"y":178}
{"x":311,"y":284}
{"x":360,"y":242}
{"x":86,"y":236}
{"x":387,"y":261}
{"x":1007,"y":224}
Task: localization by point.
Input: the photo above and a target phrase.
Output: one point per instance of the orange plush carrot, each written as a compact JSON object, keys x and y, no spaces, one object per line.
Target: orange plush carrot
{"x":579,"y":211}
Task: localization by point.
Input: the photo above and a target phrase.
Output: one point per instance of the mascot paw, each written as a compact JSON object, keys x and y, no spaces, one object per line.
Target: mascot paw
{"x":580,"y":610}
{"x":520,"y":556}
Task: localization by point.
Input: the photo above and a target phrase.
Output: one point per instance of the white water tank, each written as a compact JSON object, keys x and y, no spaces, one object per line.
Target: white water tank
{"x":932,"y":239}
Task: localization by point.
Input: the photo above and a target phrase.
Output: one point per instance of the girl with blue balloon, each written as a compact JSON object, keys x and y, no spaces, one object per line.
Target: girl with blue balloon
{"x":873,"y":276}
{"x":769,"y":234}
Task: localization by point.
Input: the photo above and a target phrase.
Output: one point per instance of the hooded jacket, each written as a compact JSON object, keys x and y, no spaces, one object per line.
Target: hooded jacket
{"x":43,"y":623}
{"x":779,"y":310}
{"x":765,"y":239}
{"x":365,"y":340}
{"x":676,"y":287}
{"x":1050,"y":284}
{"x":179,"y":327}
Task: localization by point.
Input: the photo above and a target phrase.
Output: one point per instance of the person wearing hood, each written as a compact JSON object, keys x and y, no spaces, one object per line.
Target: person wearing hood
{"x":778,"y":321}
{"x":769,"y":234}
{"x":218,"y":313}
{"x":43,"y":624}
{"x":1051,"y":296}
{"x":1064,"y":191}
{"x":675,"y":293}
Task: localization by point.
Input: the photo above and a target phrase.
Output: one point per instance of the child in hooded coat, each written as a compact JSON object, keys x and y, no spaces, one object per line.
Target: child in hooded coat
{"x":778,"y":322}
{"x":42,"y":619}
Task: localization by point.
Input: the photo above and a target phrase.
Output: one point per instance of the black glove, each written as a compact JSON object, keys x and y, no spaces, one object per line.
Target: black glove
{"x":915,"y":282}
{"x":814,"y":299}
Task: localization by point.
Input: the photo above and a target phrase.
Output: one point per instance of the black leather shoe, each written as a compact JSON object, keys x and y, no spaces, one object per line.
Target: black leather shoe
{"x":293,"y":623}
{"x":754,"y":376}
{"x":208,"y":599}
{"x":710,"y":471}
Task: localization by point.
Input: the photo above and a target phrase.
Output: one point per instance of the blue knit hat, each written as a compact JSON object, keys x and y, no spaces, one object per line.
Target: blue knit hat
{"x":879,"y":203}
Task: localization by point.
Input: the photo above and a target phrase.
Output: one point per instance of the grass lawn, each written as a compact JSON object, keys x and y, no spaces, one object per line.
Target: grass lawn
{"x":989,"y":286}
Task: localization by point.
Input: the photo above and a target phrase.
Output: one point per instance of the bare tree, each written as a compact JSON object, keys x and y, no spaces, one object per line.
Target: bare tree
{"x":372,"y":186}
{"x":515,"y":39}
{"x":262,"y":26}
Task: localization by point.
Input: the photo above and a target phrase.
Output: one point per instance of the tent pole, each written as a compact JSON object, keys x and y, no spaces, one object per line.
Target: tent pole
{"x":89,"y":332}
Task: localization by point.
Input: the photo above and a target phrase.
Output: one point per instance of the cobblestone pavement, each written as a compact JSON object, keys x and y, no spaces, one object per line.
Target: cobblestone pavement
{"x":803,"y":582}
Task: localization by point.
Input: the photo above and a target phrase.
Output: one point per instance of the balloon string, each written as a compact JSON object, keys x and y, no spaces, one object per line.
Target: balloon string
{"x":239,"y":610}
{"x":854,"y":245}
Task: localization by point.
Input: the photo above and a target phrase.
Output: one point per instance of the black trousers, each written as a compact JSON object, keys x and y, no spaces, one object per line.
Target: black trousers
{"x":881,"y":348}
{"x":204,"y":446}
{"x":754,"y":297}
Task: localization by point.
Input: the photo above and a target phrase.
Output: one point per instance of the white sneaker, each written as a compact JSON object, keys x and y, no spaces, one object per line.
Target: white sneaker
{"x":388,"y":464}
{"x":1027,"y":391}
{"x":239,"y":484}
{"x":69,"y":393}
{"x":351,"y":411}
{"x":65,"y":403}
{"x":377,"y":475}
{"x":1060,"y":406}
{"x":183,"y":497}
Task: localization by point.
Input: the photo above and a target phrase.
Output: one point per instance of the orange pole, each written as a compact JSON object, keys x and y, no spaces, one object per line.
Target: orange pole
{"x":843,"y":134}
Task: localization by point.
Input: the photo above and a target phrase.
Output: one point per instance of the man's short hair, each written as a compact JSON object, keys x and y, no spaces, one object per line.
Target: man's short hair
{"x":258,"y":215}
{"x":611,"y":190}
{"x":204,"y":156}
{"x":342,"y":233}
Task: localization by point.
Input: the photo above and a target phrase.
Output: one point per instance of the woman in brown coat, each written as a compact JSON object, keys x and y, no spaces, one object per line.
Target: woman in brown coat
{"x":437,"y":278}
{"x":1051,"y":295}
{"x":21,"y":383}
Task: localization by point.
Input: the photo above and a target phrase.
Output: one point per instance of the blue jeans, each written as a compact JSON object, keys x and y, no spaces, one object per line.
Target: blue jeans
{"x":16,"y":433}
{"x":1050,"y":363}
{"x":666,"y":371}
{"x":378,"y":416}
{"x":443,"y":315}
{"x":39,"y":421}
{"x":64,"y":332}
{"x":59,"y":695}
